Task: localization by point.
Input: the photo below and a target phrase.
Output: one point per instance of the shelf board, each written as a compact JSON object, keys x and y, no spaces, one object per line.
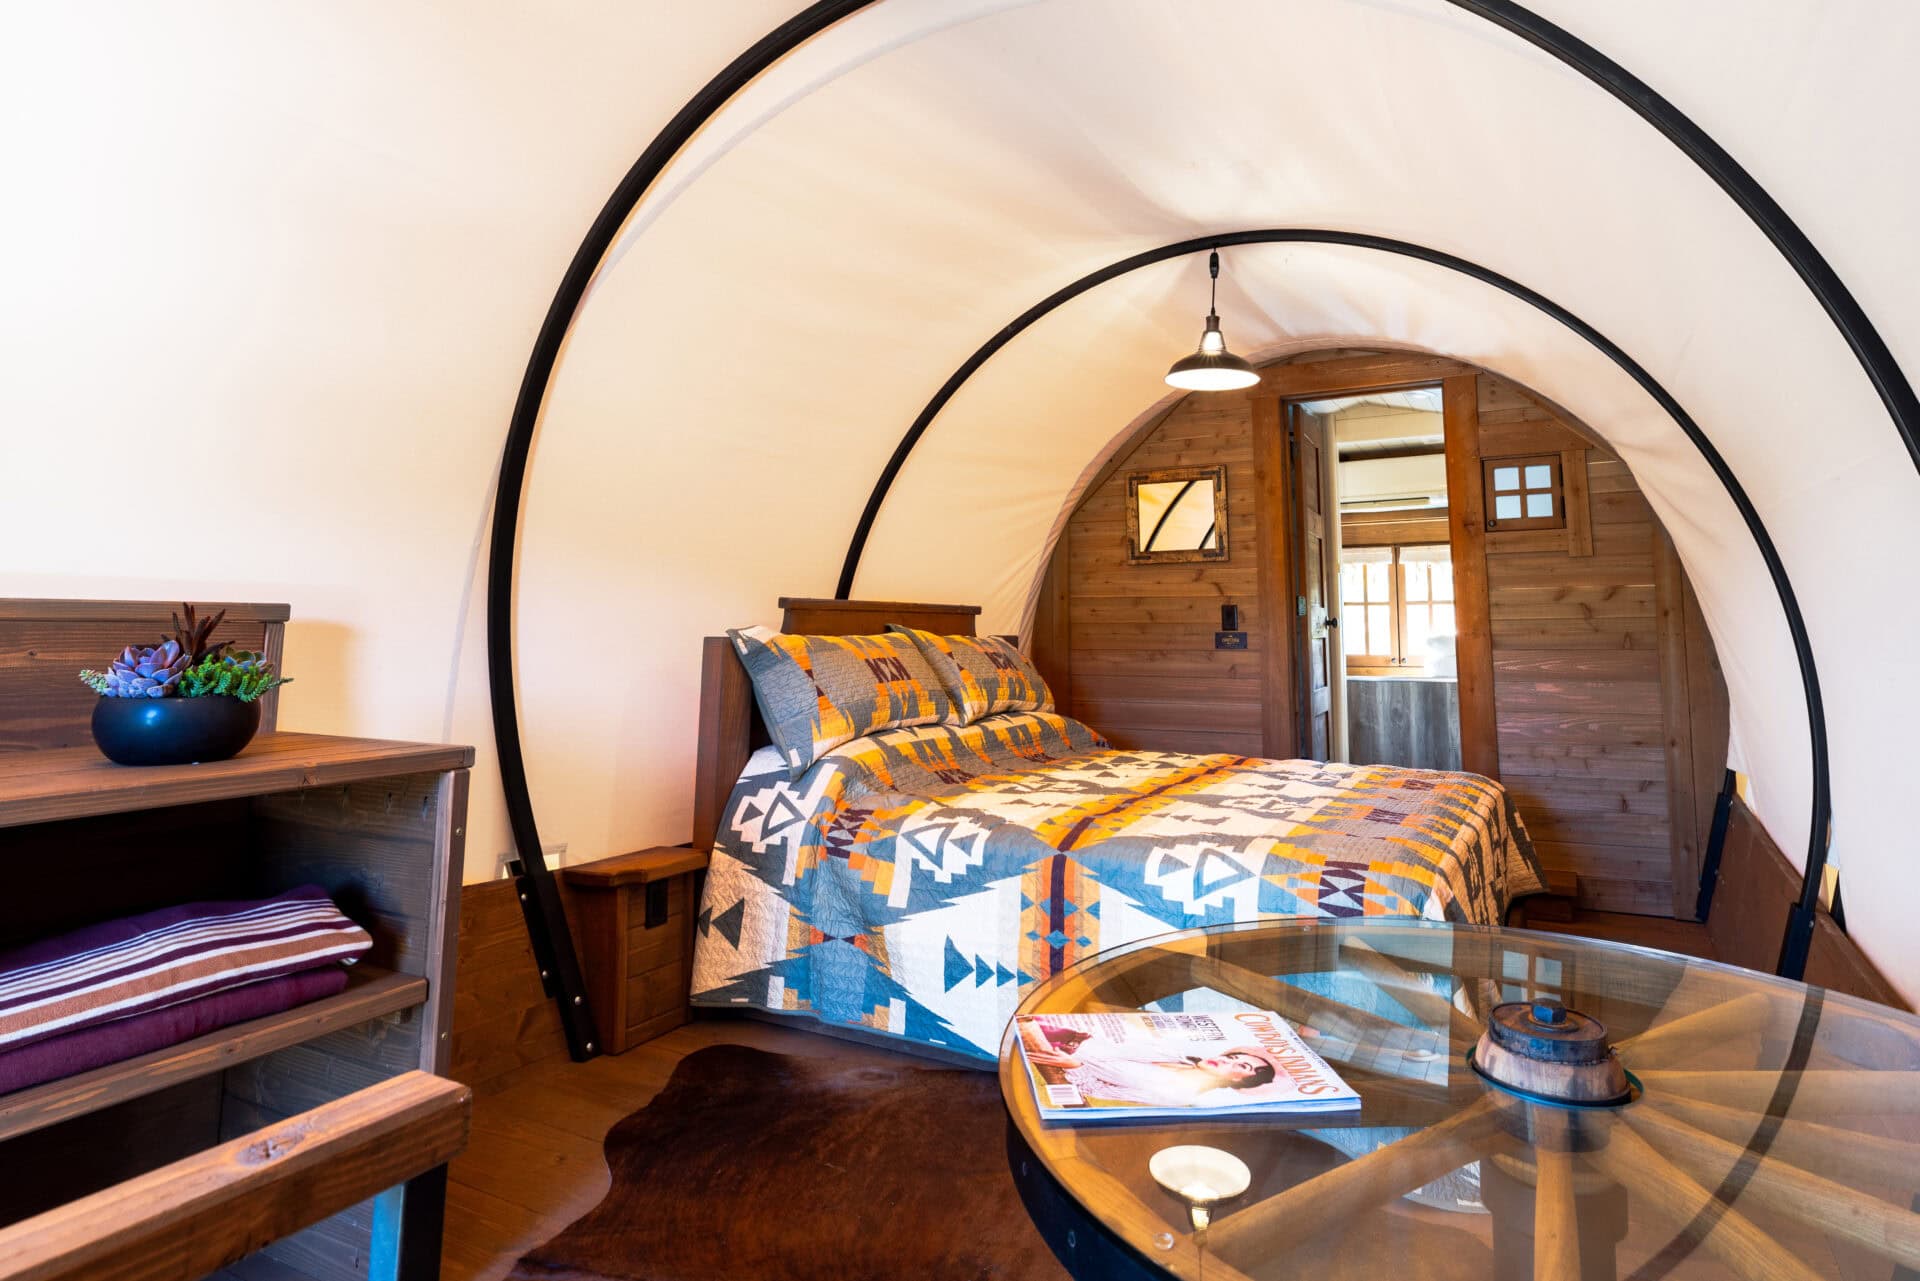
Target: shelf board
{"x":78,"y":782}
{"x":370,"y":993}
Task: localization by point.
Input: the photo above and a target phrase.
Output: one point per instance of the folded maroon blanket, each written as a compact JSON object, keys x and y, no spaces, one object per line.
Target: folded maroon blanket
{"x":119,"y":969}
{"x":95,"y":1047}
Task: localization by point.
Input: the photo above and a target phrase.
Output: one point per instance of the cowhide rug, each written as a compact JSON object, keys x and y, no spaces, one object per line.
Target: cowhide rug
{"x":776,"y":1168}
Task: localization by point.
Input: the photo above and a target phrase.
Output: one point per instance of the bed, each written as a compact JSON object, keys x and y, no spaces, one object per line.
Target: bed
{"x":914,"y":882}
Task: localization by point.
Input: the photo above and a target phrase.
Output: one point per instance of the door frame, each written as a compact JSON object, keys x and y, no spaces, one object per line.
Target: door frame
{"x":1285,"y":655}
{"x":1302,"y":607}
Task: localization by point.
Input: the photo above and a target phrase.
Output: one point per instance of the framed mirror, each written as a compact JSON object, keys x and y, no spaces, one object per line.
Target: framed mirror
{"x":1177,"y":514}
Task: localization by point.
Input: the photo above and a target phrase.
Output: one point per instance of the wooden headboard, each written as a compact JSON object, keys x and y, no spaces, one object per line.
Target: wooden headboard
{"x":45,"y":643}
{"x":730,"y":725}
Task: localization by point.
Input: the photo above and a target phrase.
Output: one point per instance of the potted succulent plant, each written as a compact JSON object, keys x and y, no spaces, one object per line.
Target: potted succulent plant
{"x":180,"y":701}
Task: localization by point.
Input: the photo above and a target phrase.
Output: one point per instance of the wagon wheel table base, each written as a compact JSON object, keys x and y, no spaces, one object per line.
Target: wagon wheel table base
{"x":1533,"y":1106}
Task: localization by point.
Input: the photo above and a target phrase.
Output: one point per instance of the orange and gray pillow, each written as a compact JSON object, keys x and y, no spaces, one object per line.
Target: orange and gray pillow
{"x":817,"y":692}
{"x":982,"y":674}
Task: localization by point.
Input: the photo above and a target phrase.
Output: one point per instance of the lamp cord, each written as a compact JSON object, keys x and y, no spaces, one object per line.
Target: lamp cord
{"x":1213,"y":282}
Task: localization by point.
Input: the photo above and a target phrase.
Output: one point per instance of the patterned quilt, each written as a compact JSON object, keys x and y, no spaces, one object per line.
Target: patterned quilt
{"x":917,"y":881}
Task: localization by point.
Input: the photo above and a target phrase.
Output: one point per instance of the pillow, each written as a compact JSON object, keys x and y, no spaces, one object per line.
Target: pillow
{"x":817,"y":692}
{"x":123,"y":968}
{"x":982,"y":674}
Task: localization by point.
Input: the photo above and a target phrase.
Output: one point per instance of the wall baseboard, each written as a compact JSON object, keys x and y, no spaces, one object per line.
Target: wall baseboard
{"x":1757,"y":886}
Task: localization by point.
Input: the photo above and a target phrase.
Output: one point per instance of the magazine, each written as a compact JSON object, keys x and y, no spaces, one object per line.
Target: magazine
{"x":1138,"y":1065}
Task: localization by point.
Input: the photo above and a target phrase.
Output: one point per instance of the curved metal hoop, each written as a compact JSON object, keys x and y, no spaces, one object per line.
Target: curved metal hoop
{"x":546,"y":922}
{"x":1822,"y":809}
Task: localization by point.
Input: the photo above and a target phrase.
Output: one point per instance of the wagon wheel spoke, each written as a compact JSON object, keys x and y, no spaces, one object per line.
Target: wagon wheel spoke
{"x":1372,"y":1041}
{"x":1888,"y":1230}
{"x":1342,"y":1193}
{"x":1819,"y":1090}
{"x":1807,"y":1144}
{"x":1403,"y":985}
{"x":1662,"y":1188}
{"x":1347,"y":1035}
{"x":1556,"y":1223}
{"x":1688,"y":1032}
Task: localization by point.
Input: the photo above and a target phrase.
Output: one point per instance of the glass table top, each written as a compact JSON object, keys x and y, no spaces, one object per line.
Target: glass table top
{"x":1774,"y":1129}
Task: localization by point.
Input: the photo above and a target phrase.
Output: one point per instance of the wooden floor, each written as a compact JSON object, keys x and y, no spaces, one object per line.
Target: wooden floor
{"x":535,"y":1165}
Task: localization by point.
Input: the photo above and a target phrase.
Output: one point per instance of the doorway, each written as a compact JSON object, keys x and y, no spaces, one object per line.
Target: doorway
{"x":1378,"y":577}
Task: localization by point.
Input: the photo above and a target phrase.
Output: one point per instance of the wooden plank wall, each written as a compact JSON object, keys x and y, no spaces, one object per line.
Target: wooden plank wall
{"x":1757,"y":885}
{"x":1593,"y":646}
{"x":502,"y":1019}
{"x":1609,"y":714}
{"x":1139,"y":661}
{"x":45,"y":643}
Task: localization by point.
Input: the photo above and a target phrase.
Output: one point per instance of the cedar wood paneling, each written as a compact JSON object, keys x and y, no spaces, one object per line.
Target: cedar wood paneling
{"x":1141,"y":662}
{"x":1609,"y":723}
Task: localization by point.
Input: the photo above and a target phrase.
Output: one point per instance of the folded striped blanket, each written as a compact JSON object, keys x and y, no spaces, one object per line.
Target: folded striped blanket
{"x":139,"y":964}
{"x":97,"y":1046}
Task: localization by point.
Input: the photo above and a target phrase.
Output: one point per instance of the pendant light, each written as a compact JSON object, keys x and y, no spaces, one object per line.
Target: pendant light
{"x":1212,"y":367}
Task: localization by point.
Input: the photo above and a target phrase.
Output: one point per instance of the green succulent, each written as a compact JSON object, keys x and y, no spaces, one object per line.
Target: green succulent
{"x":240,"y":673}
{"x":190,"y":664}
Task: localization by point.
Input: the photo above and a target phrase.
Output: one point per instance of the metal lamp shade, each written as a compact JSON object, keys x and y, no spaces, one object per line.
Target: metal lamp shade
{"x":1211,"y":371}
{"x":1212,"y":367}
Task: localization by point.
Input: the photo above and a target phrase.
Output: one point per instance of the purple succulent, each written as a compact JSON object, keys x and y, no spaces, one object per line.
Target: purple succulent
{"x":150,"y":672}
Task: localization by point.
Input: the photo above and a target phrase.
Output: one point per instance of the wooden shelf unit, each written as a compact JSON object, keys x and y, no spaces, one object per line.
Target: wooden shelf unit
{"x":380,"y":826}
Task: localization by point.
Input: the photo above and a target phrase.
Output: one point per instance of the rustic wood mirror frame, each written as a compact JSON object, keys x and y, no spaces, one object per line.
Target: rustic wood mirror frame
{"x":1174,"y":475}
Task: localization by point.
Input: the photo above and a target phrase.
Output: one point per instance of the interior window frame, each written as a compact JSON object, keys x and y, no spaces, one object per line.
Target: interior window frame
{"x":1373,"y":664}
{"x":1556,"y":487}
{"x":1398,"y":662}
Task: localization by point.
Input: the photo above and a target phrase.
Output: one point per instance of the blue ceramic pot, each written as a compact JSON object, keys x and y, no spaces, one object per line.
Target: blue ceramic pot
{"x":173,"y":731}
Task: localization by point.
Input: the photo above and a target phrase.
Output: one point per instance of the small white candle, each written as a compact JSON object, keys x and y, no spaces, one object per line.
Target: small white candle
{"x":1200,"y":1176}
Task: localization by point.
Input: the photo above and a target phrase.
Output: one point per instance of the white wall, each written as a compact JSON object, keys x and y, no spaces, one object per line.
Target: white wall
{"x":271,"y":274}
{"x":1423,"y":476}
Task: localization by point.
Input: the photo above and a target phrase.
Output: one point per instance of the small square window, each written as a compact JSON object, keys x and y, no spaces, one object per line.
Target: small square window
{"x":1523,"y":493}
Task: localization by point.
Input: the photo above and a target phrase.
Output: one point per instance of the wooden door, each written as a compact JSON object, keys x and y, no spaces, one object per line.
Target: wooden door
{"x":1315,"y":643}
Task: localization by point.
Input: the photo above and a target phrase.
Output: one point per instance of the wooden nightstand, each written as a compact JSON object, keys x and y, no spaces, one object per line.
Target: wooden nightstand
{"x":635,"y":914}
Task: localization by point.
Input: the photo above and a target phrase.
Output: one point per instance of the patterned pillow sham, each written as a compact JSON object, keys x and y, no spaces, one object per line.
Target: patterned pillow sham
{"x":982,"y":674}
{"x":817,"y":692}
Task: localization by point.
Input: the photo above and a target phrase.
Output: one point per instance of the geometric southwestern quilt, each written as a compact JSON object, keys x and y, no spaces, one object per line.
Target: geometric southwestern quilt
{"x":916,"y":881}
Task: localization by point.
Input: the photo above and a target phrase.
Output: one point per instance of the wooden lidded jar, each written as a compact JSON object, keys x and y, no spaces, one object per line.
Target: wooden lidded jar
{"x":1544,"y":1049}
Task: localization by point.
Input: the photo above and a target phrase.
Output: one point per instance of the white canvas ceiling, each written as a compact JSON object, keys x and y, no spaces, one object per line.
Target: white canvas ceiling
{"x":331,"y":231}
{"x":834,"y":245}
